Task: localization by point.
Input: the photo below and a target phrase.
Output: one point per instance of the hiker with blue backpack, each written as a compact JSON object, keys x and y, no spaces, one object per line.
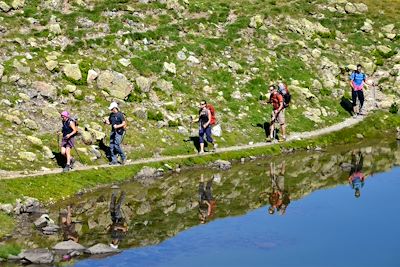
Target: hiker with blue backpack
{"x":69,"y":130}
{"x":357,"y":82}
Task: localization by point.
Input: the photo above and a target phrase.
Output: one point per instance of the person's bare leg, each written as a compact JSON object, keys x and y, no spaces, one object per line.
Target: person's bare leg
{"x":283,"y":129}
{"x":68,"y":153}
{"x":271,"y":130}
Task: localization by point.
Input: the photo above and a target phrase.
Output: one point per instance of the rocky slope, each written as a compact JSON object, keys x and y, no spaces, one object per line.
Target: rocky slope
{"x":158,"y":59}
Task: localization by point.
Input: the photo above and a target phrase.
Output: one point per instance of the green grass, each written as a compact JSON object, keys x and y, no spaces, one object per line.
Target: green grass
{"x":6,"y":226}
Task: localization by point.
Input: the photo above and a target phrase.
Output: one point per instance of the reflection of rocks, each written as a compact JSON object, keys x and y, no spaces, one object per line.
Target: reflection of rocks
{"x":222,"y":164}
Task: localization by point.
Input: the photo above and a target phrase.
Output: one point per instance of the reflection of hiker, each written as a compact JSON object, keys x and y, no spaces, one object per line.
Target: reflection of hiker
{"x":68,"y":130}
{"x":117,"y":122}
{"x":119,"y":227}
{"x":205,"y":126}
{"x":279,"y":197}
{"x":67,"y":226}
{"x":278,"y":113}
{"x":356,"y":178}
{"x":207,"y":203}
{"x":357,"y":81}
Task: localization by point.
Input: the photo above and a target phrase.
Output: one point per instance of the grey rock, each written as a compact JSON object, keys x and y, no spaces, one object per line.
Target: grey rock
{"x":181,"y":55}
{"x":37,"y":256}
{"x":1,"y":71}
{"x":16,"y":4}
{"x":193,"y":60}
{"x":384,"y":49}
{"x":165,"y":86}
{"x":55,"y":28}
{"x":147,"y":172}
{"x":116,"y":83}
{"x":256,"y":21}
{"x":350,"y":8}
{"x":72,"y":71}
{"x":51,"y":65}
{"x":7,"y":208}
{"x":4,"y":6}
{"x":124,"y":62}
{"x":169,"y":67}
{"x":44,"y":89}
{"x":388,"y":28}
{"x":92,"y":75}
{"x":222,"y":164}
{"x":34,"y":140}
{"x":26,"y":155}
{"x":143,"y":83}
{"x":101,"y":249}
{"x":69,"y":246}
{"x":42,"y":221}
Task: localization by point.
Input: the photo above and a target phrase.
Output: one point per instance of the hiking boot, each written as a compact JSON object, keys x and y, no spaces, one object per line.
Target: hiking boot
{"x":123,"y":161}
{"x":355,"y":116}
{"x":113,"y":163}
{"x":67,"y":168}
{"x":71,"y":165}
{"x":269,"y":139}
{"x":283,"y":139}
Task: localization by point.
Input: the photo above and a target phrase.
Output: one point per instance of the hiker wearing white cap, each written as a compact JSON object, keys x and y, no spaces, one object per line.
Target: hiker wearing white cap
{"x":118,"y":124}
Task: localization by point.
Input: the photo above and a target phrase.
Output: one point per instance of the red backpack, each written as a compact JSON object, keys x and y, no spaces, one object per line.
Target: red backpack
{"x":212,"y":110}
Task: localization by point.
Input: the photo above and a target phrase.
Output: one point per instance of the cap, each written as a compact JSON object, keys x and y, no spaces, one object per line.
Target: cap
{"x":113,"y":105}
{"x":65,"y":114}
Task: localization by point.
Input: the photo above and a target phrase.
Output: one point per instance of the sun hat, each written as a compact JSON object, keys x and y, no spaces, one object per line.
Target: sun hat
{"x":113,"y":105}
{"x":65,"y":114}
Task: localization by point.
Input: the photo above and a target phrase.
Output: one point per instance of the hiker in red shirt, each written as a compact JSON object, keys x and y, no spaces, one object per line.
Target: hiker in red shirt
{"x":278,"y":113}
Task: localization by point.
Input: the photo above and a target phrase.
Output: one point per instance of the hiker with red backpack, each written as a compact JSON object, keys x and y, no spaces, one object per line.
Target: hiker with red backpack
{"x":69,"y":130}
{"x":277,"y":95}
{"x":205,"y":124}
{"x":118,"y":124}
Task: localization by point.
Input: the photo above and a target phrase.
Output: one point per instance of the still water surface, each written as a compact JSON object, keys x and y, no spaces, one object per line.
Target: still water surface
{"x":329,"y":227}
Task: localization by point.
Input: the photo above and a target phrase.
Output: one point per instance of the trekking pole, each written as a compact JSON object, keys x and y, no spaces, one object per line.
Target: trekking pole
{"x":80,"y":159}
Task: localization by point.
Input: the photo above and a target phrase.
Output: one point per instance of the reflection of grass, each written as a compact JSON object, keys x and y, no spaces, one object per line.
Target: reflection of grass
{"x":6,"y":226}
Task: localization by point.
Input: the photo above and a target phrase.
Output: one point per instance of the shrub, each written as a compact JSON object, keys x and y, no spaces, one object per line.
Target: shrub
{"x":155,"y":115}
{"x":394,"y":108}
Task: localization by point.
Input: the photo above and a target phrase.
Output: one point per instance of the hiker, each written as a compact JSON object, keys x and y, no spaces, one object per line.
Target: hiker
{"x":69,"y":130}
{"x":356,"y":177}
{"x":279,"y":197}
{"x":67,"y":226}
{"x":119,"y":227}
{"x":207,"y":203}
{"x":205,"y":126}
{"x":117,"y":122}
{"x":278,"y":113}
{"x":357,"y":81}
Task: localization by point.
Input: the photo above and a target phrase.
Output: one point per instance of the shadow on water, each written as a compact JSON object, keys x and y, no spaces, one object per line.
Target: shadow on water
{"x":155,"y":210}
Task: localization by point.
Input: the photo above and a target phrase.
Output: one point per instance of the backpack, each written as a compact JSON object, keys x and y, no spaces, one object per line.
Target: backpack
{"x":212,"y":110}
{"x":287,"y":97}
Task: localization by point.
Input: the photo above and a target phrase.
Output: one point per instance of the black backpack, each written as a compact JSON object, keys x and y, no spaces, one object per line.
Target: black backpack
{"x":287,"y":97}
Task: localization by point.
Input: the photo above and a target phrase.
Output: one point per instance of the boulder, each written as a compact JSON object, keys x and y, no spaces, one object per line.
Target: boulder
{"x":55,"y":28}
{"x":222,"y":164}
{"x":384,"y":49}
{"x":101,"y":249}
{"x":69,"y":246}
{"x":16,"y":4}
{"x":116,"y":83}
{"x":29,"y":156}
{"x":44,"y":89}
{"x":169,"y":67}
{"x":72,"y":71}
{"x":193,"y":60}
{"x":388,"y":28}
{"x":34,"y":140}
{"x":51,"y":65}
{"x":48,"y":154}
{"x":234,"y":66}
{"x":350,"y":8}
{"x":92,"y":75}
{"x":124,"y":62}
{"x":361,"y":7}
{"x":86,"y":137}
{"x":147,"y":172}
{"x":165,"y":86}
{"x":13,"y":118}
{"x":7,"y":208}
{"x":143,"y":83}
{"x":42,"y":221}
{"x":256,"y":21}
{"x":1,"y":71}
{"x":37,"y":256}
{"x":4,"y":7}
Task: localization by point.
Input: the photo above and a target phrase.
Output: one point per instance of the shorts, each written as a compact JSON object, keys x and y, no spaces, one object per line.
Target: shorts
{"x":280,"y":118}
{"x":68,"y":142}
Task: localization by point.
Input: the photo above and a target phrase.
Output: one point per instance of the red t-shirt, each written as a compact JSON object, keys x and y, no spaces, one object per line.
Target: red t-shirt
{"x":276,"y":99}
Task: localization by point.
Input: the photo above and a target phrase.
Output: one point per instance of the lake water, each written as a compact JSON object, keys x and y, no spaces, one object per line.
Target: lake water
{"x":324,"y":223}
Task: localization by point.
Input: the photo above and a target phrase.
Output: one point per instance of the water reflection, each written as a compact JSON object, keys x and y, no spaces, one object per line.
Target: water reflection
{"x":357,"y":178}
{"x":279,"y":197}
{"x":207,"y":203}
{"x":119,"y":227}
{"x":68,"y":226}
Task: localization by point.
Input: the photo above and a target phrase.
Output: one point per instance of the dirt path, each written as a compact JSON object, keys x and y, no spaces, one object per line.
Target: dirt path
{"x":294,"y":136}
